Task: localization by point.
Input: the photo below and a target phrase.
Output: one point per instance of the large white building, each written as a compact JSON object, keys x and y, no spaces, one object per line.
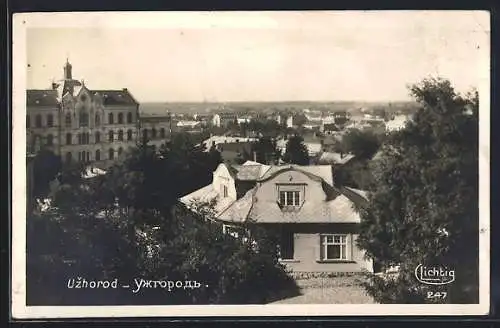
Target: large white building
{"x":81,"y":124}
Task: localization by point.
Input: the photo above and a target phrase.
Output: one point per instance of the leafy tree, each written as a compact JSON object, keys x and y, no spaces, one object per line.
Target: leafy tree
{"x":363,"y":144}
{"x":46,"y":166}
{"x":128,"y":224}
{"x":266,"y":151}
{"x":424,"y":208}
{"x":296,"y":151}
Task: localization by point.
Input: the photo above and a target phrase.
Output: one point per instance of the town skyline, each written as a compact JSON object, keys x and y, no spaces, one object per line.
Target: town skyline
{"x":318,"y":57}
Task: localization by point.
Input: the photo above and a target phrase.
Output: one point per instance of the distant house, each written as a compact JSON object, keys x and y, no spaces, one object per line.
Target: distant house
{"x":334,"y":158}
{"x":188,"y":125}
{"x":224,"y":119}
{"x":216,"y":140}
{"x":317,"y":221}
{"x":233,"y":151}
{"x":329,"y":128}
{"x":396,"y":124}
{"x":313,"y":148}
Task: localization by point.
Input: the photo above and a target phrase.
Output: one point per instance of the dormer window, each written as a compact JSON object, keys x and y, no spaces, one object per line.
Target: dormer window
{"x":290,"y":196}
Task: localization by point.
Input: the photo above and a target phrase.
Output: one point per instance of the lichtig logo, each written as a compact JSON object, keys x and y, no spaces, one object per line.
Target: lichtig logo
{"x":434,"y":275}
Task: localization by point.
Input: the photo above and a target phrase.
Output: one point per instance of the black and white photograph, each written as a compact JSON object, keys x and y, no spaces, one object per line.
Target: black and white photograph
{"x":250,"y":163}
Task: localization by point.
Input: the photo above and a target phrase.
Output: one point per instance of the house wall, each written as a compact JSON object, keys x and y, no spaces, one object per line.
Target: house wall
{"x":307,"y":252}
{"x":221,"y":176}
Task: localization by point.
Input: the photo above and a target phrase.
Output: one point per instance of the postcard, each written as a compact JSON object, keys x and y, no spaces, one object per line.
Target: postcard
{"x":250,"y":164}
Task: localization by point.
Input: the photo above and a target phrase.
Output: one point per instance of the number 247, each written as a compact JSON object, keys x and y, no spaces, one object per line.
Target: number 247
{"x":437,"y":295}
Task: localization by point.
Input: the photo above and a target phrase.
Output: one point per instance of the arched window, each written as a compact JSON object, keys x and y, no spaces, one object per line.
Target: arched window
{"x":69,"y":138}
{"x":50,"y":140}
{"x":97,"y":137}
{"x":120,"y":135}
{"x":145,"y":133}
{"x":120,"y":151}
{"x":69,"y":157}
{"x":97,"y":155}
{"x":129,"y":117}
{"x":111,"y":136}
{"x":97,"y":119}
{"x":84,"y":119}
{"x":120,"y":118}
{"x":153,"y":133}
{"x":28,"y":121}
{"x":162,"y":133}
{"x":129,"y":135}
{"x":111,"y":119}
{"x":111,"y":153}
{"x":38,"y":121}
{"x":67,"y":120}
{"x":50,"y":120}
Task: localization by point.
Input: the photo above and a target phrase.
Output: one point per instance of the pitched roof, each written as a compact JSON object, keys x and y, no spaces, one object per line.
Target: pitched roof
{"x":322,"y":171}
{"x":335,"y":158}
{"x":116,"y":97}
{"x":41,"y":98}
{"x":340,"y":209}
{"x":207,"y":194}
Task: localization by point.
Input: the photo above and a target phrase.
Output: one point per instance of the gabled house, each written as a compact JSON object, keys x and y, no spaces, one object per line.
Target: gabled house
{"x":317,"y":221}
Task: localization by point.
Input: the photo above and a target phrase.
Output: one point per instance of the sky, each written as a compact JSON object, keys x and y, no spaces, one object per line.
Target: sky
{"x":294,"y":56}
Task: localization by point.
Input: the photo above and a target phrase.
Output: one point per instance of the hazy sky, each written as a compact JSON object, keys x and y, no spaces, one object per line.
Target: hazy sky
{"x":267,"y":56}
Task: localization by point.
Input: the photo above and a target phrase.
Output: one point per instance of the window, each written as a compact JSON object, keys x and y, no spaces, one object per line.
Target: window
{"x":111,"y":153}
{"x":129,"y":117}
{"x":290,"y":198}
{"x":97,"y":119}
{"x":97,"y":137}
{"x":79,"y":139}
{"x":69,"y":157}
{"x":97,"y":155}
{"x":28,"y":121}
{"x":111,"y":118}
{"x":38,"y":121}
{"x":120,"y":135}
{"x":68,"y":138}
{"x":153,"y":133}
{"x":120,"y":118}
{"x":88,"y":156}
{"x":111,"y":136}
{"x":120,"y":151}
{"x":50,"y":140}
{"x":286,"y":246}
{"x":84,"y":138}
{"x":224,"y":191}
{"x":50,"y":120}
{"x":129,"y":135}
{"x":162,"y":133}
{"x":84,"y":119}
{"x":67,"y":120}
{"x":334,"y":247}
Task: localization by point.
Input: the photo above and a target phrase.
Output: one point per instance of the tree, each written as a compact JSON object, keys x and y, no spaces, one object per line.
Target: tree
{"x":128,"y":224}
{"x":424,"y":208}
{"x":296,"y":151}
{"x":363,"y":144}
{"x":266,"y":151}
{"x":46,"y":166}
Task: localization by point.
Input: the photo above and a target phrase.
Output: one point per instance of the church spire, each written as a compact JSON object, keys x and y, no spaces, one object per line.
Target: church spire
{"x":67,"y":70}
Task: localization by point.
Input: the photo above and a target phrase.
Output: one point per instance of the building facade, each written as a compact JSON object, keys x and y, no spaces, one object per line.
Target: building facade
{"x":81,"y":124}
{"x":316,"y":219}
